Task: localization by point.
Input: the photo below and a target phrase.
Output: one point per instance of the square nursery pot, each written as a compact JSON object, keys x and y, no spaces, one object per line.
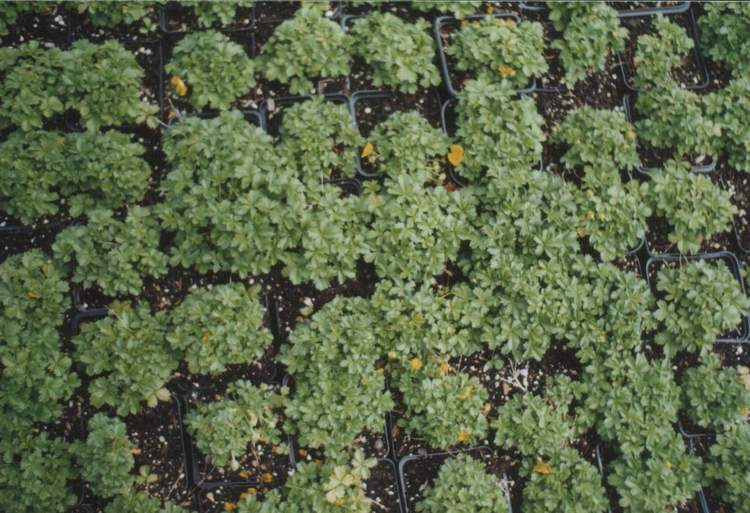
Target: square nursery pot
{"x":603,"y":458}
{"x":451,"y":76}
{"x":449,"y":125}
{"x":623,"y":11}
{"x":372,"y":107}
{"x":628,"y":103}
{"x":175,"y":18}
{"x":417,"y":470}
{"x":634,"y":21}
{"x":272,"y":111}
{"x":383,"y":487}
{"x":742,"y":332}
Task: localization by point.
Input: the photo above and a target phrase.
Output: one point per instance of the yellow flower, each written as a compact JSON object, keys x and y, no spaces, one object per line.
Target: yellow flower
{"x":581,"y":232}
{"x":542,"y":468}
{"x":266,"y":477}
{"x":380,"y":370}
{"x":630,"y":134}
{"x":507,"y":22}
{"x":456,"y":155}
{"x":745,"y":411}
{"x":230,"y":506}
{"x":415,"y":363}
{"x":463,"y":436}
{"x":506,"y":71}
{"x":368,"y":150}
{"x":466,"y":394}
{"x":32,"y":294}
{"x":444,"y":368}
{"x":244,"y":474}
{"x":205,"y":338}
{"x":179,"y":86}
{"x":302,"y":453}
{"x":340,"y":501}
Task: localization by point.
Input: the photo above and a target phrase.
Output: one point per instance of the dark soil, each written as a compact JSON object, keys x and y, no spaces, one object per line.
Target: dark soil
{"x":691,"y":74}
{"x":738,"y":185}
{"x":382,"y":487}
{"x":177,"y":19}
{"x":371,"y":110}
{"x":82,"y":28}
{"x":51,"y":27}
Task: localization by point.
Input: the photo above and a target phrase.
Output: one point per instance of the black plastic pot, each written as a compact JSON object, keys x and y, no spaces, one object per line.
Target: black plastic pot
{"x":387,"y":467}
{"x":628,"y":106}
{"x":273,"y":109}
{"x":532,"y":6}
{"x":169,"y":10}
{"x":445,"y":68}
{"x":743,"y":245}
{"x":405,"y":464}
{"x":627,"y":73}
{"x":8,"y":228}
{"x":729,"y":259}
{"x":253,"y":117}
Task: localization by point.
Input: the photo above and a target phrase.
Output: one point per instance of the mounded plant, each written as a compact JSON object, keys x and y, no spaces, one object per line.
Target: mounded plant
{"x":458,"y":9}
{"x":323,"y":488}
{"x":304,"y":48}
{"x":105,"y":457}
{"x":692,"y":204}
{"x":47,"y":173}
{"x":500,"y":49}
{"x":116,"y":255}
{"x":219,"y":326}
{"x":231,"y":202}
{"x":729,"y":109}
{"x":723,"y":28}
{"x":464,"y":485}
{"x":496,"y":129}
{"x":406,"y":142}
{"x":729,"y":465}
{"x":714,"y":397}
{"x":701,"y":301}
{"x":111,"y":14}
{"x":319,"y":139}
{"x":400,"y":53}
{"x":127,"y":357}
{"x":591,"y":32}
{"x":248,"y":415}
{"x":564,"y":483}
{"x":210,"y":13}
{"x":656,"y":55}
{"x":211,"y":69}
{"x":142,"y":503}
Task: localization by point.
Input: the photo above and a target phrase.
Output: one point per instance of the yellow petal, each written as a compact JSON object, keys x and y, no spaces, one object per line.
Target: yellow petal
{"x":230,"y":506}
{"x":179,"y":85}
{"x":581,"y":232}
{"x":630,"y":134}
{"x":244,"y":474}
{"x":32,"y":294}
{"x":506,"y":70}
{"x":463,"y":436}
{"x":266,"y":477}
{"x":368,"y":150}
{"x":541,"y":468}
{"x":456,"y":155}
{"x":415,"y":363}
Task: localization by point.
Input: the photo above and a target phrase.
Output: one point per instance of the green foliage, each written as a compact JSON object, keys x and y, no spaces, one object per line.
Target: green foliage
{"x":104,"y":458}
{"x":496,"y":129}
{"x":613,"y":215}
{"x":219,"y":326}
{"x":34,"y":475}
{"x":458,"y":9}
{"x":464,"y":486}
{"x":211,"y":13}
{"x":445,"y":409}
{"x":572,"y":485}
{"x":657,"y":54}
{"x":675,"y":119}
{"x":500,"y":49}
{"x":714,"y":396}
{"x":223,"y":429}
{"x":692,"y":204}
{"x":233,"y":203}
{"x":729,"y":109}
{"x":320,"y":139}
{"x":591,"y":32}
{"x":702,"y":300}
{"x":88,"y":170}
{"x":337,"y":392}
{"x":418,"y":228}
{"x":601,"y":139}
{"x":128,"y":358}
{"x":31,"y":88}
{"x":406,"y":142}
{"x":35,"y":375}
{"x":419,"y":321}
{"x":534,"y":425}
{"x":103,"y":82}
{"x":665,"y":479}
{"x":111,"y":14}
{"x":333,"y":237}
{"x":112,"y":254}
{"x":304,"y":48}
{"x":142,"y":503}
{"x":724,"y":27}
{"x":326,"y":488}
{"x":634,"y":401}
{"x":215,"y":69}
{"x":400,"y":53}
{"x":729,"y":466}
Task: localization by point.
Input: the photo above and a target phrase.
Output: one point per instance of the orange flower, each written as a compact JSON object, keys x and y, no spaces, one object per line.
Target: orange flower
{"x":506,"y":70}
{"x":135,"y":451}
{"x":415,"y":363}
{"x":456,"y":155}
{"x":266,"y":477}
{"x":230,"y":506}
{"x":302,"y":453}
{"x":463,"y":436}
{"x":368,"y":150}
{"x":179,"y":86}
{"x":244,"y":474}
{"x":542,"y":468}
